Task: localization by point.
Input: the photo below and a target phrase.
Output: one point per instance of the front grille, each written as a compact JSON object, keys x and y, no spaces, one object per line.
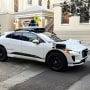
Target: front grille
{"x":84,"y":53}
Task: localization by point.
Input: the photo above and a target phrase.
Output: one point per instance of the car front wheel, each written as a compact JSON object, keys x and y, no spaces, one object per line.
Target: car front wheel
{"x":57,"y":61}
{"x":3,"y":54}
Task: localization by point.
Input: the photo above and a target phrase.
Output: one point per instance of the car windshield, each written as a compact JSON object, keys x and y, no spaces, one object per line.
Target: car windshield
{"x":53,"y":36}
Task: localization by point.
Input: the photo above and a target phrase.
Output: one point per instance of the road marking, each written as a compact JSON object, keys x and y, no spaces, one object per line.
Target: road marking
{"x":5,"y":85}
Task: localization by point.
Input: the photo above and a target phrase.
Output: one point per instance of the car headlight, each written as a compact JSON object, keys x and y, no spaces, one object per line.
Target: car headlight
{"x":67,"y":51}
{"x":71,"y":52}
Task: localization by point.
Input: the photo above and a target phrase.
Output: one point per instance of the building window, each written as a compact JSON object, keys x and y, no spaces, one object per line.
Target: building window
{"x":84,"y":14}
{"x":65,"y":14}
{"x":81,"y":8}
{"x":65,"y":17}
{"x":29,"y":1}
{"x":15,"y":5}
{"x":48,"y":4}
{"x":40,"y":2}
{"x":76,"y":8}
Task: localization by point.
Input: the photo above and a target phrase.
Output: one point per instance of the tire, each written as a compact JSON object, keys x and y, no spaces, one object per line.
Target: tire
{"x":56,"y":61}
{"x":3,"y":54}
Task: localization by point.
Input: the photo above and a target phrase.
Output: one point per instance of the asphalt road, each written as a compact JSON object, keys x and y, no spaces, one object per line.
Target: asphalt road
{"x":15,"y":71}
{"x":19,"y":74}
{"x":50,"y":80}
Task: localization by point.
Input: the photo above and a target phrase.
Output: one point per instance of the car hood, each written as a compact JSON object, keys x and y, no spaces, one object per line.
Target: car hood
{"x":72,"y":44}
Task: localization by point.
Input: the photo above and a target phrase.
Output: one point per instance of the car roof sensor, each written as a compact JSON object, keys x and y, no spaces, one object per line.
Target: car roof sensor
{"x":35,"y":29}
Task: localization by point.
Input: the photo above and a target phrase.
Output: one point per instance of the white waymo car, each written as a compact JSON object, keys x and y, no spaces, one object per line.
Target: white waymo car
{"x":35,"y":44}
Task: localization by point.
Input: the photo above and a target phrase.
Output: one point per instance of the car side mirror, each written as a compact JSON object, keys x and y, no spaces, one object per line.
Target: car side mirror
{"x":36,"y":41}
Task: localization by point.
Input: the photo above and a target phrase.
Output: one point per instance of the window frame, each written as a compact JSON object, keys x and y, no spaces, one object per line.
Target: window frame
{"x":29,"y":2}
{"x":38,"y":38}
{"x":16,"y":3}
{"x":40,"y":2}
{"x":48,"y":4}
{"x":21,"y":37}
{"x":11,"y":37}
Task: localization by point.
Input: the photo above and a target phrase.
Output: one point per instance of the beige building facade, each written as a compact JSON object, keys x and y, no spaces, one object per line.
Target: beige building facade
{"x":24,"y":4}
{"x":15,"y":13}
{"x":73,"y":28}
{"x":6,"y":15}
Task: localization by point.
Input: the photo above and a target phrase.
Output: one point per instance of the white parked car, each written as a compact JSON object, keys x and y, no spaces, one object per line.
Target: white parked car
{"x":35,"y":44}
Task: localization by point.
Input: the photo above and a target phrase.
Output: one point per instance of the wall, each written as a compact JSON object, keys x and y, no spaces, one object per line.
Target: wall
{"x":6,"y":22}
{"x":6,"y":6}
{"x":83,"y":35}
{"x":23,"y":4}
{"x":74,"y":29}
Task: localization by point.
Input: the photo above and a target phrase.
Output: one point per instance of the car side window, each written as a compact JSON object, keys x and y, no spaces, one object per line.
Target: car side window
{"x":15,"y":35}
{"x":9,"y":36}
{"x":27,"y":36}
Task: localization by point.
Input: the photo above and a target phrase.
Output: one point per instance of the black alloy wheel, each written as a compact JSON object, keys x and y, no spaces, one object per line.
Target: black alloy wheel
{"x":57,"y":61}
{"x":3,"y":54}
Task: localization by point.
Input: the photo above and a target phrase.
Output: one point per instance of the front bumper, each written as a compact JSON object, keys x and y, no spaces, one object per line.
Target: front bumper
{"x":78,"y":58}
{"x":78,"y":62}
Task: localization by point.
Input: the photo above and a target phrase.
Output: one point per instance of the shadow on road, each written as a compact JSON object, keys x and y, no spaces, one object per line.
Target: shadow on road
{"x":51,"y":80}
{"x":75,"y":69}
{"x":25,"y":62}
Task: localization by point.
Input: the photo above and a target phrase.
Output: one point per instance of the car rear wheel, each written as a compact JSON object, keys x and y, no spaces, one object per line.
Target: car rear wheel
{"x":3,"y":54}
{"x":56,"y":61}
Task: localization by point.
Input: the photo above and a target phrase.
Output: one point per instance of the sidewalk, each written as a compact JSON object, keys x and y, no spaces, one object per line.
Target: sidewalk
{"x":84,"y":83}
